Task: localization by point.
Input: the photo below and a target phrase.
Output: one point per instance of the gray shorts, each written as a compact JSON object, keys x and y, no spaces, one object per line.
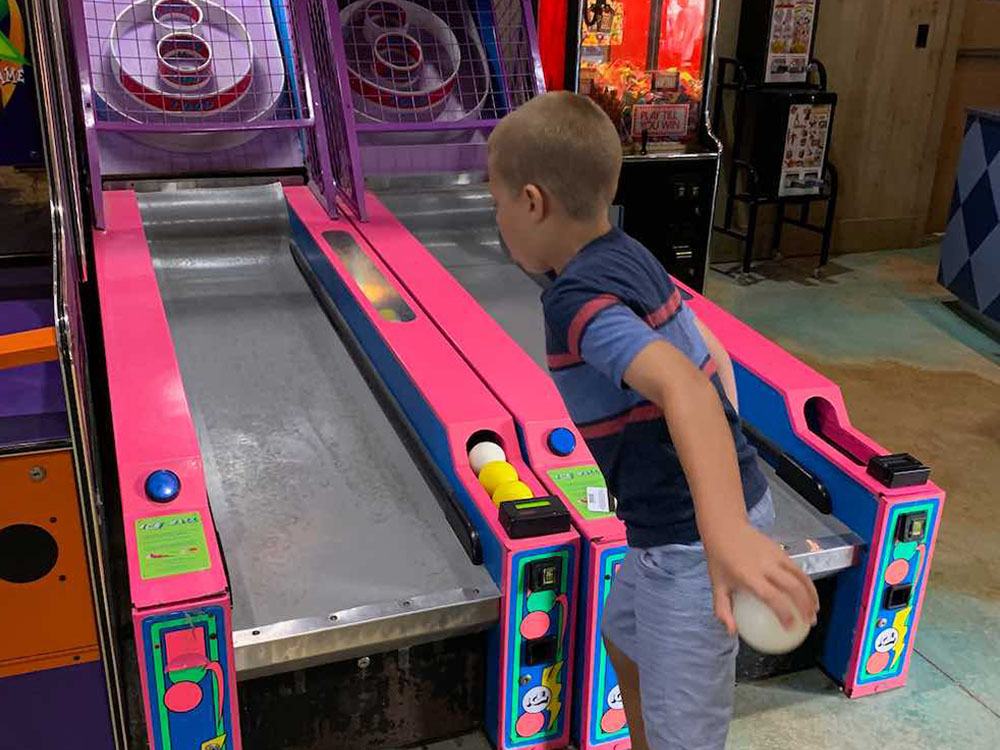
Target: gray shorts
{"x":660,"y":613}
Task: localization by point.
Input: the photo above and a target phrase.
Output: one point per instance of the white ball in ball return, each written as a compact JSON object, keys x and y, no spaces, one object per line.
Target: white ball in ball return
{"x":759,"y":626}
{"x":483,"y":453}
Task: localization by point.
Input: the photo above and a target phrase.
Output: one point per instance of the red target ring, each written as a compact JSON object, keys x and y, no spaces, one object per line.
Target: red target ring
{"x":184,"y":61}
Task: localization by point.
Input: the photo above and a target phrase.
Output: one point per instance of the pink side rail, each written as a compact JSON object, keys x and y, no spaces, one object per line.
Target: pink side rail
{"x":459,"y":399}
{"x":797,"y":382}
{"x":517,"y":381}
{"x":152,"y":423}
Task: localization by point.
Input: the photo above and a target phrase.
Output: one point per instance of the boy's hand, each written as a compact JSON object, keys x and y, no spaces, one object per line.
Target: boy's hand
{"x":747,"y":559}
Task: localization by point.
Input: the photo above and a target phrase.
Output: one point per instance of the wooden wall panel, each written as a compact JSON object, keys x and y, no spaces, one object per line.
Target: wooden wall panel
{"x":889,"y":108}
{"x":975,"y":83}
{"x":981,"y":29}
{"x":892,"y":103}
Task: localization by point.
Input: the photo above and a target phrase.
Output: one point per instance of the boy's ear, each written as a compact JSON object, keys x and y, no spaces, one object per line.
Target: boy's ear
{"x":537,"y":201}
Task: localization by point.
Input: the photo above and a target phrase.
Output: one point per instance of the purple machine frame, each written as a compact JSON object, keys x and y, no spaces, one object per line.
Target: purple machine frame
{"x":495,"y":66}
{"x":251,"y":120}
{"x":299,"y":82}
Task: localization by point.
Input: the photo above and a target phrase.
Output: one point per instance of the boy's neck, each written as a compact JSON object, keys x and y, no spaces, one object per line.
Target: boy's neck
{"x":572,"y":237}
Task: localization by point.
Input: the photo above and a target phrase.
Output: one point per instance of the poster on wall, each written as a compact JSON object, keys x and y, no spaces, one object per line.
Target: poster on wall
{"x":805,"y":149}
{"x":605,"y":27}
{"x":20,"y":133}
{"x":790,"y":41}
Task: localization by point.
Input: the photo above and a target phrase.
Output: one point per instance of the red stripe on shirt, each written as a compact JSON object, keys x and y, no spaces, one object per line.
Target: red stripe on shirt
{"x":709,"y":368}
{"x":559,"y":361}
{"x":666,"y":311}
{"x":614,"y":425}
{"x":583,"y":316}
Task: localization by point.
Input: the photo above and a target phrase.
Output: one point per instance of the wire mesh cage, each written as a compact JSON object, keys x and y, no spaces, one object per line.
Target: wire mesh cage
{"x":192,"y":88}
{"x":435,"y":64}
{"x":332,"y":145}
{"x":186,"y":66}
{"x":428,"y":79}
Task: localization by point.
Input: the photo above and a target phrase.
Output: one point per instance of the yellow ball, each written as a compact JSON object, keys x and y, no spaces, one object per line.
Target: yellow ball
{"x":512,"y":491}
{"x":496,"y":473}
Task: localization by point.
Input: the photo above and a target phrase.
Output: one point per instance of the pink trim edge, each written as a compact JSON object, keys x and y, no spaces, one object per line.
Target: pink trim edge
{"x":152,"y":421}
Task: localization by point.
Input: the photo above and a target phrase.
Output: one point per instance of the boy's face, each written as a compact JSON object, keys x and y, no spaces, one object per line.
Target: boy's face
{"x":519,"y":216}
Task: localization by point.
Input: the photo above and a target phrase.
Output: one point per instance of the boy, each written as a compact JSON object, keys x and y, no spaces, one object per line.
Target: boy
{"x":652,"y":392}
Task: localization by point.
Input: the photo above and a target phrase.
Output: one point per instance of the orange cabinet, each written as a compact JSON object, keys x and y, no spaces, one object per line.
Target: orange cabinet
{"x":46,"y":608}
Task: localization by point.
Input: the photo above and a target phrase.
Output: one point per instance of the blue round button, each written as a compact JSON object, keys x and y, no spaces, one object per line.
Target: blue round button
{"x":562,"y":442}
{"x":162,"y":486}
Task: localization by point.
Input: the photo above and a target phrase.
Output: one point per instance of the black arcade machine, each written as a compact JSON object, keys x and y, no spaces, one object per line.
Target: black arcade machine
{"x":782,"y":120}
{"x":647,"y":64}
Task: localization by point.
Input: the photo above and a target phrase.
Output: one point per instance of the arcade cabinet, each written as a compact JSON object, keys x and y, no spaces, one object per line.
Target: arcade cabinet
{"x":782,"y":125}
{"x":58,"y":664}
{"x":289,"y":431}
{"x":649,"y":66}
{"x":858,"y":519}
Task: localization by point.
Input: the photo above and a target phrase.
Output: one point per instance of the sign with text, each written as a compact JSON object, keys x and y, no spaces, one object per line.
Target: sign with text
{"x":660,"y":120}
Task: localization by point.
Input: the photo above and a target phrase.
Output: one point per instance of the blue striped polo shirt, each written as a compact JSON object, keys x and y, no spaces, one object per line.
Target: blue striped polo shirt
{"x":610,"y":302}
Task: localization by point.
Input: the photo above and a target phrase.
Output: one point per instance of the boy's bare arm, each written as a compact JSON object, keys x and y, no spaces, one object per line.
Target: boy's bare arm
{"x":739,"y":556}
{"x":722,"y":361}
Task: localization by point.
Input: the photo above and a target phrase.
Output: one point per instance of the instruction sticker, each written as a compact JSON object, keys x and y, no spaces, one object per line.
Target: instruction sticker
{"x":171,"y":545}
{"x":577,"y":484}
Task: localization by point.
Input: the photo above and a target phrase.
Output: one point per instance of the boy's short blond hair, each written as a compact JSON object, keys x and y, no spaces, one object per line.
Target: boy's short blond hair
{"x":563,"y":143}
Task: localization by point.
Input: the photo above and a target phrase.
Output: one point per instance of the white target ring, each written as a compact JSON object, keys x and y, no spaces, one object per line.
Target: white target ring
{"x":187,"y":69}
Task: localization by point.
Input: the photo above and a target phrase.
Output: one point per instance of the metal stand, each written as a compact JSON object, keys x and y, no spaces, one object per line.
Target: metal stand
{"x":752,"y":194}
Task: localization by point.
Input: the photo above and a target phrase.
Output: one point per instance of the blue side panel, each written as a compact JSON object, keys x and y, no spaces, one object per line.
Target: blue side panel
{"x":583,"y":603}
{"x":174,"y":675}
{"x":488,"y":35}
{"x":416,"y":408}
{"x":522,"y":443}
{"x":889,"y":626}
{"x":853,"y":504}
{"x":842,"y":620}
{"x":284,"y":27}
{"x":606,"y":711}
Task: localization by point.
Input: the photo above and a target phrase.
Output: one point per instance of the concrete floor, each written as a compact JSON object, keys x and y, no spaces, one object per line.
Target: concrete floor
{"x":916,"y":378}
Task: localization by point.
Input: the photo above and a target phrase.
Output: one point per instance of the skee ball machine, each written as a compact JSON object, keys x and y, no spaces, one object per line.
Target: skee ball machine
{"x":290,"y":432}
{"x":859,"y":520}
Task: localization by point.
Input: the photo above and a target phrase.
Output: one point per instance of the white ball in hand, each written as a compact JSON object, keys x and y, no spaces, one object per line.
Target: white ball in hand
{"x":484,"y":453}
{"x":759,"y":626}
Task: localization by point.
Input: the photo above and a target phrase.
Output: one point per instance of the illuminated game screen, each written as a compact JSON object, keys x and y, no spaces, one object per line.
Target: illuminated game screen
{"x":643,"y":62}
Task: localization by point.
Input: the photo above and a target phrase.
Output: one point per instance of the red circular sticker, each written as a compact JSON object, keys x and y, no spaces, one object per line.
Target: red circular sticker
{"x":535,"y":625}
{"x":182,"y":697}
{"x":896,"y":571}
{"x":530,"y":724}
{"x":613,"y":720}
{"x":877,"y":662}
